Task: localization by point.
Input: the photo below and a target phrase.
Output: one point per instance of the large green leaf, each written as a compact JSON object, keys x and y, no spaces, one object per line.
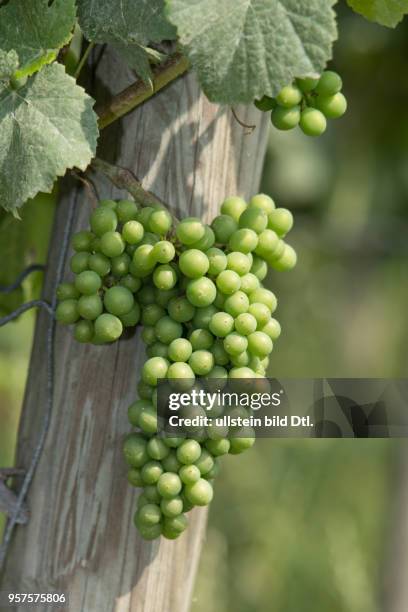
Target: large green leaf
{"x":128,"y":25}
{"x":386,"y":12}
{"x":244,"y":49}
{"x":8,"y":63}
{"x":37,"y":30}
{"x":46,"y":127}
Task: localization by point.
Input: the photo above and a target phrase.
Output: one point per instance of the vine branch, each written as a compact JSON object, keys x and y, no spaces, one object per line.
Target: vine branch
{"x":23,"y":308}
{"x":20,"y":278}
{"x":139,"y":92}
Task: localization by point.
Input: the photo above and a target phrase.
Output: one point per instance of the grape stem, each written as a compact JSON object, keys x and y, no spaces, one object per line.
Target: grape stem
{"x":83,"y":59}
{"x":139,"y":92}
{"x":123,"y":178}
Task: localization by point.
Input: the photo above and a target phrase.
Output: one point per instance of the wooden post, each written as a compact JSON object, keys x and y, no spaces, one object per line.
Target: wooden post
{"x":80,"y":537}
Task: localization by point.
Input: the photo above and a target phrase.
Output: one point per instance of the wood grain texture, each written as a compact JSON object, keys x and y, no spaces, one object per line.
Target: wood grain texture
{"x":80,"y":537}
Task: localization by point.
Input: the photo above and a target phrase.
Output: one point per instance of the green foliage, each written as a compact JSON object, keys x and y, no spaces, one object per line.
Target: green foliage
{"x":386,"y":12}
{"x":46,"y":127}
{"x":8,"y":63}
{"x":36,"y":31}
{"x":128,"y":27}
{"x":261,"y":45}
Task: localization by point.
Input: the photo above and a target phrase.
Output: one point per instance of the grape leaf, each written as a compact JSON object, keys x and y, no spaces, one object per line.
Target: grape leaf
{"x":46,"y":127}
{"x":37,"y":30}
{"x":8,"y":63}
{"x":385,"y":12}
{"x":137,"y":58}
{"x":245,"y":49}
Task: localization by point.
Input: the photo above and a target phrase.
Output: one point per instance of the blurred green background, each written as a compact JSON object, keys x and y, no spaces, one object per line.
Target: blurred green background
{"x":302,"y":526}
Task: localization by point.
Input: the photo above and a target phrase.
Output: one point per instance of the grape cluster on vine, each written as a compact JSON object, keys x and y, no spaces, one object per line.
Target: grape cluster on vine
{"x":197,"y":290}
{"x":307,"y":103}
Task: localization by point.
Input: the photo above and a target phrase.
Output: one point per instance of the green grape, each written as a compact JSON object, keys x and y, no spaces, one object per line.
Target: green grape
{"x":285,"y":118}
{"x":218,"y":372}
{"x":84,"y":331}
{"x":223,"y":227}
{"x":205,"y":462}
{"x":135,"y":450}
{"x":287,"y":261}
{"x":272,"y":329}
{"x":169,"y":485}
{"x":135,"y":410}
{"x":238,"y":262}
{"x":149,"y":515}
{"x":126,"y":210}
{"x":174,"y":526}
{"x":146,"y":295}
{"x":164,"y":297}
{"x":142,"y":499}
{"x":219,"y":301}
{"x":270,"y":258}
{"x":144,"y":391}
{"x":228,"y":282}
{"x":199,"y":493}
{"x":118,"y":300}
{"x":167,"y":330}
{"x":254,"y":219}
{"x":262,"y":201}
{"x":221,"y":324}
{"x":217,"y":261}
{"x":154,"y":369}
{"x":190,"y":230}
{"x":79,"y":262}
{"x":221,"y":356}
{"x":194,"y":263}
{"x":67,"y":312}
{"x":235,"y":344}
{"x":143,"y":216}
{"x":234,"y":207}
{"x":329,"y":83}
{"x":131,"y":283}
{"x":163,"y":252}
{"x":201,"y":362}
{"x":112,"y":244}
{"x":218,"y":447}
{"x":265,"y":104}
{"x":170,"y":463}
{"x":100,"y":264}
{"x":215,"y":470}
{"x":182,"y":374}
{"x":206,"y":242}
{"x":150,"y":533}
{"x":150,"y":238}
{"x":152,"y":313}
{"x":188,"y":452}
{"x":244,"y":240}
{"x":165,"y":277}
{"x":108,"y":204}
{"x":236,"y":304}
{"x":241,"y":360}
{"x":202,"y":316}
{"x":260,"y":312}
{"x":142,"y":262}
{"x":201,"y":339}
{"x":120,"y":265}
{"x":103,"y":220}
{"x":132,"y":232}
{"x":82,"y":241}
{"x":201,"y":292}
{"x":268,"y":242}
{"x":156,"y":449}
{"x":289,"y":96}
{"x":180,"y":349}
{"x":67,"y":291}
{"x":108,"y":327}
{"x":259,"y":344}
{"x":280,"y":221}
{"x":332,"y":107}
{"x":249,"y":282}
{"x":180,"y":309}
{"x":151,"y":472}
{"x":241,"y":444}
{"x":171,"y":507}
{"x":157,"y":349}
{"x":148,"y":335}
{"x":151,"y":493}
{"x":307,"y":84}
{"x":90,"y":307}
{"x":189,"y":474}
{"x":245,"y":324}
{"x":237,"y":373}
{"x":88,"y":282}
{"x":264,"y":296}
{"x":147,"y":420}
{"x":135,"y":479}
{"x":313,"y":122}
{"x":259,"y":268}
{"x":160,"y":222}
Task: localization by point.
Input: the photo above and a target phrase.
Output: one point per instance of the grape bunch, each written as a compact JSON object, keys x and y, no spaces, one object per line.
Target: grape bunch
{"x":307,"y":103}
{"x":197,"y":291}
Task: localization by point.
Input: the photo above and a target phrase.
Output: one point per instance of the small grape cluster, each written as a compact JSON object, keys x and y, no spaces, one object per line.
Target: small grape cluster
{"x":307,"y":103}
{"x":197,"y":290}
